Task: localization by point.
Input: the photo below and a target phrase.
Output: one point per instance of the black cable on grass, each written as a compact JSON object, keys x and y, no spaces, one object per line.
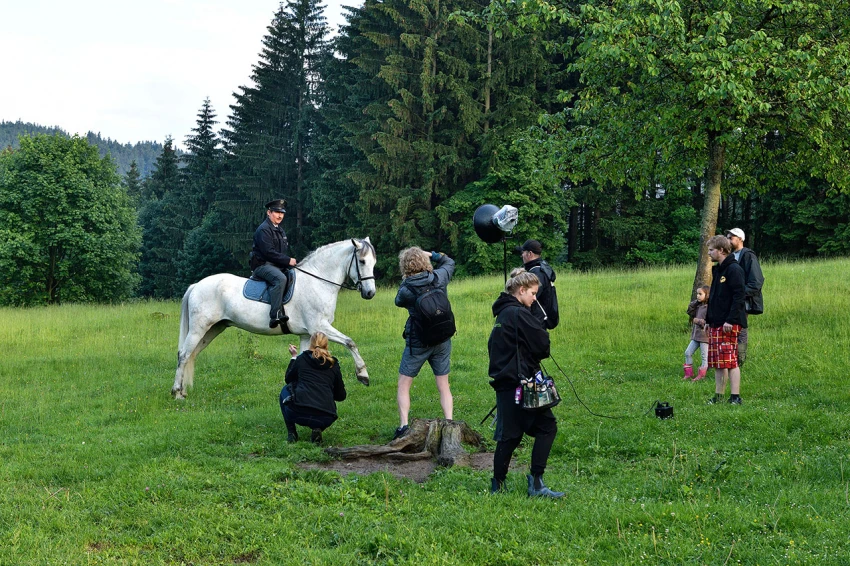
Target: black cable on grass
{"x":588,"y":408}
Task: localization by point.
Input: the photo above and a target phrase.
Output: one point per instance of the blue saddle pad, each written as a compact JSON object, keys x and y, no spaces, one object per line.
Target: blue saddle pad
{"x":258,"y":290}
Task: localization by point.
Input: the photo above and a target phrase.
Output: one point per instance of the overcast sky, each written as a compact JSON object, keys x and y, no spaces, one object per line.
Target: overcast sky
{"x":132,"y":71}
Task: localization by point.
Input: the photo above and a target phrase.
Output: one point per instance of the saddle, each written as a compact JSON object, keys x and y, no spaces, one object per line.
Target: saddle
{"x":258,"y":290}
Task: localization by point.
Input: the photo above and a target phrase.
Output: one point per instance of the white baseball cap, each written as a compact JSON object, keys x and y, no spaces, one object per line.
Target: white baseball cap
{"x":736,"y":232}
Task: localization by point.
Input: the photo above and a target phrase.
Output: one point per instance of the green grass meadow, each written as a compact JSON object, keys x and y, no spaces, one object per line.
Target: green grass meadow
{"x":99,"y":465}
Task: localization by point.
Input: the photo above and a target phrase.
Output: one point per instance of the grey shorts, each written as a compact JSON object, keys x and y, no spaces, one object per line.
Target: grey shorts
{"x":414,"y":358}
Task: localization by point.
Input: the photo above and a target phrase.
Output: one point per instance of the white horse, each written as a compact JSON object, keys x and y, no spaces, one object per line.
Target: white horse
{"x":216,"y":302}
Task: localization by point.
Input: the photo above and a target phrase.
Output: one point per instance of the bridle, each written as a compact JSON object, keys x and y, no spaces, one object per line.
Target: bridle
{"x":357,"y":286}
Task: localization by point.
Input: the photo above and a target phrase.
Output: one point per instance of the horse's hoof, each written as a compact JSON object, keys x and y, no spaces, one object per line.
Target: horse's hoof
{"x":364,"y":379}
{"x":179,"y":395}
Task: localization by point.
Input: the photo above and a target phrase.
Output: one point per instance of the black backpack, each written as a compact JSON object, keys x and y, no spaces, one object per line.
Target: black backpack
{"x":435,"y":321}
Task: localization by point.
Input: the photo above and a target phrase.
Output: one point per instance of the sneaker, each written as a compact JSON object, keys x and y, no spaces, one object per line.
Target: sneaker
{"x":496,"y":486}
{"x":736,"y":400}
{"x":401,"y":431}
{"x":714,"y":400}
{"x":316,"y":436}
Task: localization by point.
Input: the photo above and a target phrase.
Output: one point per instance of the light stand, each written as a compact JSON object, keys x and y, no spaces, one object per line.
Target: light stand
{"x":505,"y":256}
{"x":492,"y":224}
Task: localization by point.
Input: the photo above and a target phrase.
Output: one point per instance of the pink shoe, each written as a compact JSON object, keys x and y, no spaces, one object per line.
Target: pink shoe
{"x":689,"y":371}
{"x":701,"y":374}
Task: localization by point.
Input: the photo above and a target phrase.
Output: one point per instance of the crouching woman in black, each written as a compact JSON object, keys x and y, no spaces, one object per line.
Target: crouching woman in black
{"x":313,"y":384}
{"x":517,"y":344}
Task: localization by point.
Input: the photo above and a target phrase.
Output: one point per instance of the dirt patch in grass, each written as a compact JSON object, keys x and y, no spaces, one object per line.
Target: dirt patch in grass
{"x":417,"y":471}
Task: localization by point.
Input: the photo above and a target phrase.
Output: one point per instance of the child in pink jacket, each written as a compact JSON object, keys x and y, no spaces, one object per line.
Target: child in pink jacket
{"x":699,"y":337}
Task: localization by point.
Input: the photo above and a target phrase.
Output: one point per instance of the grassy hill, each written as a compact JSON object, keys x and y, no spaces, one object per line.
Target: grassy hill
{"x":99,"y":465}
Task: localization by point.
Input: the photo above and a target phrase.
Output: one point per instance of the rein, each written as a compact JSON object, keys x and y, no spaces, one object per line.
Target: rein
{"x":344,"y":285}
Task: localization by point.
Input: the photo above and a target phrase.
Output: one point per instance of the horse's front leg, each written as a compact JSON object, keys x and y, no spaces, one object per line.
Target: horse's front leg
{"x":305,"y":343}
{"x":335,"y":335}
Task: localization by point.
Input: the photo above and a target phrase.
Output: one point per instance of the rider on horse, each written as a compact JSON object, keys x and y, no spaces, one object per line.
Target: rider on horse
{"x":270,"y":256}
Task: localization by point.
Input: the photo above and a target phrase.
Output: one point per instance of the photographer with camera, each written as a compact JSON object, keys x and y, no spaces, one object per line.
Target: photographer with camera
{"x":517,"y":344}
{"x":428,"y":329}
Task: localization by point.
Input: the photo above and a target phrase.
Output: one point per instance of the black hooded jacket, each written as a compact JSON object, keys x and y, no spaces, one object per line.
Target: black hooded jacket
{"x":726,"y":298}
{"x":516,"y":330}
{"x":546,"y":306}
{"x":753,"y":280}
{"x":316,"y":384}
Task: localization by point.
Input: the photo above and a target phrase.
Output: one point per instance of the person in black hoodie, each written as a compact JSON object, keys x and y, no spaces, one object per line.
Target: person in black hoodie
{"x":517,"y":344}
{"x":753,"y":283}
{"x":725,"y":318}
{"x":313,"y":384}
{"x":545,"y":308}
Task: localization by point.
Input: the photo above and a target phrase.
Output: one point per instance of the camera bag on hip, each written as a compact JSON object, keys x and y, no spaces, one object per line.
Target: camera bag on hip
{"x":434,"y":319}
{"x":538,"y":393}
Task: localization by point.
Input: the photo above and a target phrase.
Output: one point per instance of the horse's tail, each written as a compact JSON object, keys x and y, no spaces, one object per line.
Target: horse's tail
{"x":184,"y":316}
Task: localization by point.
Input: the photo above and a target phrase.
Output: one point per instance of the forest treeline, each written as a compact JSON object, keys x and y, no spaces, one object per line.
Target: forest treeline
{"x":144,"y":153}
{"x":625,"y":133}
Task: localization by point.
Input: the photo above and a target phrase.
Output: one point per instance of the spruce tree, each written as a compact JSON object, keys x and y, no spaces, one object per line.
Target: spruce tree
{"x":421,"y":148}
{"x":201,"y":255}
{"x":425,"y":99}
{"x":165,"y":220}
{"x":354,"y":103}
{"x":270,"y":132}
{"x":133,"y":183}
{"x":203,"y":163}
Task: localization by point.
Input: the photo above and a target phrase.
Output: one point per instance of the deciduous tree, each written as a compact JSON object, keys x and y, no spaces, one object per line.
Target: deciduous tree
{"x":67,"y":227}
{"x":672,"y":92}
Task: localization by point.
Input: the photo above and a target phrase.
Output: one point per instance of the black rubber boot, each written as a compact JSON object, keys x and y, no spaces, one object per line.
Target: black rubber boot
{"x":496,"y":486}
{"x":293,"y":433}
{"x":536,"y":488}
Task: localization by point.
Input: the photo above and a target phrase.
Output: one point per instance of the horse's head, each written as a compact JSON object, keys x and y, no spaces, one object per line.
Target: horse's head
{"x":362,"y":269}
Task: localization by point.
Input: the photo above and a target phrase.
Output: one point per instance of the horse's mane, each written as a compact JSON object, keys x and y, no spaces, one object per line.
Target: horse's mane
{"x":318,"y":251}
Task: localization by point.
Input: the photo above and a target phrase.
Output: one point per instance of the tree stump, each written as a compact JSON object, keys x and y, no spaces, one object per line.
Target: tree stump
{"x":427,"y":438}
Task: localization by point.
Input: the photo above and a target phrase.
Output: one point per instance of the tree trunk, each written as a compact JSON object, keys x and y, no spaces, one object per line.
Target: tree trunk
{"x":714,"y":176}
{"x":572,"y":234}
{"x":489,"y":77}
{"x":427,"y":438}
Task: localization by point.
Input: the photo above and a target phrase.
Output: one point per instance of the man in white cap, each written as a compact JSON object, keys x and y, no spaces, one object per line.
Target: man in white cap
{"x":753,"y":280}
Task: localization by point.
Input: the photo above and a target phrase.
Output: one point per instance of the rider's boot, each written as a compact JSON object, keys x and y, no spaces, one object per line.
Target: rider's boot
{"x":280,"y":318}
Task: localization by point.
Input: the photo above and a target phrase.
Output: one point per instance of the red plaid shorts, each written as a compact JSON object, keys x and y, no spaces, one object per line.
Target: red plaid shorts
{"x":723,"y":347}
